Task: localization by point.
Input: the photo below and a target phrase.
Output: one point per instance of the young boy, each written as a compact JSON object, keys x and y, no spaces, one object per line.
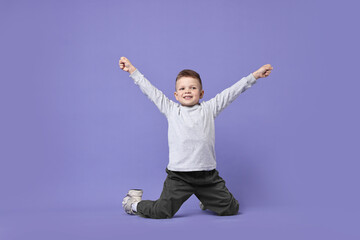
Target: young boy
{"x":191,"y":137}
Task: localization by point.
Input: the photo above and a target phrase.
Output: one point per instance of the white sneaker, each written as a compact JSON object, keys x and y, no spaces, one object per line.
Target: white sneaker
{"x":202,"y":206}
{"x":134,"y":195}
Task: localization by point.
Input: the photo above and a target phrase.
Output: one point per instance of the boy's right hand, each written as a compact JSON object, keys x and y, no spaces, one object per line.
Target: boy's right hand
{"x":264,"y":71}
{"x":126,"y":65}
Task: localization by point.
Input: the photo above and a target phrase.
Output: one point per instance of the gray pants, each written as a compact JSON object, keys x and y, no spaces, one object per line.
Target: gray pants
{"x":207,"y":186}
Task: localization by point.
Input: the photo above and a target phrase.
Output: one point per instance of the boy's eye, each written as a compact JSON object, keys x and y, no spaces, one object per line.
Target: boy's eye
{"x":181,"y":89}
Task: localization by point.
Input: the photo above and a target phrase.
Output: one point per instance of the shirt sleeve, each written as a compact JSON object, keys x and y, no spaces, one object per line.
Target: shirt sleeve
{"x":155,"y":95}
{"x":227,"y":96}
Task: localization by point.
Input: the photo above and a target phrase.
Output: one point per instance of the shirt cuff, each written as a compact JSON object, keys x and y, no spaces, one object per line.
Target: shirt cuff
{"x":251,"y":79}
{"x":136,"y":75}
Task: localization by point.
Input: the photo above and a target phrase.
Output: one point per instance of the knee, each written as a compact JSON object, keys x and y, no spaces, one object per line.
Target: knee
{"x":165,"y":216}
{"x":164,"y":210}
{"x":232,"y":209}
{"x":235,"y":209}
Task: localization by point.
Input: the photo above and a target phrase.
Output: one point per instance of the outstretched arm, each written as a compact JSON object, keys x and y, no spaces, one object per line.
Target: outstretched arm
{"x":227,"y":96}
{"x":154,"y":94}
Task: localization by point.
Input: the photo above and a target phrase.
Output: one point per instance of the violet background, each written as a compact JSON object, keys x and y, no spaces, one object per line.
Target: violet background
{"x":77,"y":133}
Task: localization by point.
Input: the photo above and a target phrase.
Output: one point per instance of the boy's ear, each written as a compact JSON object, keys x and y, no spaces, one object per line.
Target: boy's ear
{"x":202,"y":94}
{"x":176,"y":95}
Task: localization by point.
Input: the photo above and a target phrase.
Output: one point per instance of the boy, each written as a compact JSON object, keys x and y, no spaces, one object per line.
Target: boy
{"x":191,"y":137}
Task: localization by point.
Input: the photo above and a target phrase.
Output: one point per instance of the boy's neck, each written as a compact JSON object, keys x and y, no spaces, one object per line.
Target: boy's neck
{"x":190,"y":106}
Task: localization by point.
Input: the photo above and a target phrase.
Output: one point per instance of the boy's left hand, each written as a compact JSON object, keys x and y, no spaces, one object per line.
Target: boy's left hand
{"x":264,"y":71}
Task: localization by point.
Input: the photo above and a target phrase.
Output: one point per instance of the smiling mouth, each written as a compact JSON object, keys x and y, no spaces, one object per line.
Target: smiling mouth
{"x":188,"y":97}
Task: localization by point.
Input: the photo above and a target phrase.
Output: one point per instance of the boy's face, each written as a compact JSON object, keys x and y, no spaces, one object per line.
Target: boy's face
{"x":188,"y":91}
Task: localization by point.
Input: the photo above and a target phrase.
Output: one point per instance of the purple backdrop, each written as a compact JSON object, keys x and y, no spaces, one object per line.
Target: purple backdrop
{"x":76,"y":133}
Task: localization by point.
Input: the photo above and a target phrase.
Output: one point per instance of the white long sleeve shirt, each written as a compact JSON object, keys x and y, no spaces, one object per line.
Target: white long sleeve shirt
{"x":191,"y":130}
